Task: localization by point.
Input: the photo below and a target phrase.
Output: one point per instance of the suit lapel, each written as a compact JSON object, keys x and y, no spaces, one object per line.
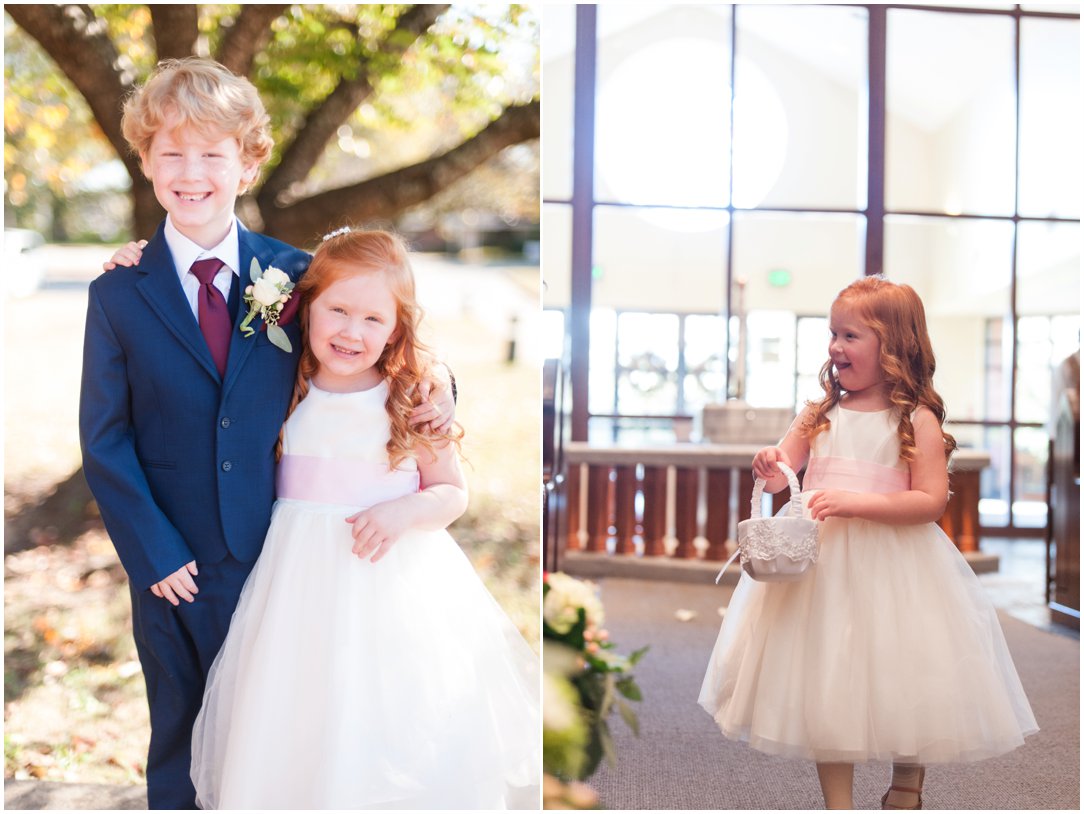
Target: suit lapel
{"x":249,"y":246}
{"x":161,"y":288}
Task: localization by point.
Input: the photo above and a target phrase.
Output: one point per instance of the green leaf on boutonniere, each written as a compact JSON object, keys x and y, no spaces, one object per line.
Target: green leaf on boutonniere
{"x":279,"y":338}
{"x":254,"y":270}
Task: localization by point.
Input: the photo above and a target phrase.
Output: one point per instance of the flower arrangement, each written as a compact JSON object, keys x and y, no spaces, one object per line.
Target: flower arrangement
{"x":267,"y":296}
{"x":585,"y":680}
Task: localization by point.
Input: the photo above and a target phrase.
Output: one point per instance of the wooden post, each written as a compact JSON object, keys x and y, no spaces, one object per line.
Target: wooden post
{"x":625,"y":509}
{"x":745,"y":491}
{"x":654,"y":511}
{"x":960,"y":522}
{"x":718,"y":522}
{"x":688,"y":481}
{"x":573,"y":487}
{"x":598,"y":507}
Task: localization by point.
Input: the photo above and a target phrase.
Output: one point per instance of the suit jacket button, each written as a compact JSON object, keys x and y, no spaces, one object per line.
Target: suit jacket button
{"x":225,"y":422}
{"x":227,"y":466}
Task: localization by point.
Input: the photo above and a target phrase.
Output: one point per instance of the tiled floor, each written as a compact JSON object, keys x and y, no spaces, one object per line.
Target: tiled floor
{"x":1018,"y":586}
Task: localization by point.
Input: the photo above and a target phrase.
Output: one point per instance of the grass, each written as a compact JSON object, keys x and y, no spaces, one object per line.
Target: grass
{"x":74,"y":700}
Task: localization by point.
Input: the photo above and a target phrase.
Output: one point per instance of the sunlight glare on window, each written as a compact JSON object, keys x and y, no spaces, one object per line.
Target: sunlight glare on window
{"x":679,"y":150}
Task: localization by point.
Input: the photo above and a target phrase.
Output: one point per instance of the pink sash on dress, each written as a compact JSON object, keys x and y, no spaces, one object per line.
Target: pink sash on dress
{"x":341,"y":481}
{"x":854,"y":476}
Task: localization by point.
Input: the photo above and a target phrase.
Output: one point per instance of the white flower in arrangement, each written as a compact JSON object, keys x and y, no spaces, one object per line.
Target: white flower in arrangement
{"x":267,"y":296}
{"x":275,"y":276}
{"x":265,"y":292}
{"x":565,"y":598}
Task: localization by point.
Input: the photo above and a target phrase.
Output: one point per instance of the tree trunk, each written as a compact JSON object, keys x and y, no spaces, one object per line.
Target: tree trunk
{"x":58,"y":518}
{"x":248,"y":34}
{"x":176,"y":29}
{"x":147,"y":213}
{"x":301,"y":223}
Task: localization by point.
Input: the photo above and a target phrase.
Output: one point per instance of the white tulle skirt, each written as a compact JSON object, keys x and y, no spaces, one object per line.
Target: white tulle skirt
{"x":889,"y":649}
{"x":350,"y":684}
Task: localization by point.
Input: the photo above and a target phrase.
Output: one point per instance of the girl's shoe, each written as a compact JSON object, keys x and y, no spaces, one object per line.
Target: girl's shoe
{"x":917,"y":792}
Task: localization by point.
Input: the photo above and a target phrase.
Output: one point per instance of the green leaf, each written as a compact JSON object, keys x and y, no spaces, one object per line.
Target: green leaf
{"x":607,"y":695}
{"x":606,"y":741}
{"x":279,"y":338}
{"x":639,"y":654}
{"x":254,"y":271}
{"x":629,"y":717}
{"x":628,"y":688}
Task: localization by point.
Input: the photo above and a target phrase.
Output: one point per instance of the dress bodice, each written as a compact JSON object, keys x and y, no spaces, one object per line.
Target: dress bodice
{"x":859,"y":452}
{"x":335,"y":451}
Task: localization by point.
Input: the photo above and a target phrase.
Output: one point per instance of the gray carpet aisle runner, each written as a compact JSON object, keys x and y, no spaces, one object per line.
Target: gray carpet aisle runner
{"x":681,"y":761}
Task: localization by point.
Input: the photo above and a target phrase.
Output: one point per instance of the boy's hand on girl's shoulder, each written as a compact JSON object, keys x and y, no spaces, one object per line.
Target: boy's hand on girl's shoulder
{"x":178,"y":584}
{"x":127,"y":255}
{"x":437,"y":407}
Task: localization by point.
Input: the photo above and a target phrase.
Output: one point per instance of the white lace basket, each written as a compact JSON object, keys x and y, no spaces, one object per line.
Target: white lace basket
{"x":778,"y":549}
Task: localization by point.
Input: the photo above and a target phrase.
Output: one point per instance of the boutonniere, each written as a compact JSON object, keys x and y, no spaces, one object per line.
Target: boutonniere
{"x":267,"y":296}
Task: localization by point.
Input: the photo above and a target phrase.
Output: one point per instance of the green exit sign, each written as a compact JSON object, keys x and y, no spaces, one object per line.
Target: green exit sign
{"x":779,"y":278}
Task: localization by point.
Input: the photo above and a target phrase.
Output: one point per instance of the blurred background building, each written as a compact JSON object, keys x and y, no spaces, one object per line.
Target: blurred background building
{"x":714,"y":174}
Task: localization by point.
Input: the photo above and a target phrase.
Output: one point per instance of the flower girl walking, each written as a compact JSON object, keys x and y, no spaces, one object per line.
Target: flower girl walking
{"x":887,"y":649}
{"x":366,"y":665}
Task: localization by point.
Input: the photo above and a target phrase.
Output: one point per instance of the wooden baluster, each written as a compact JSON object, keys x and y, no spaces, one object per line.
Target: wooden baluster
{"x":968,"y":511}
{"x":779,"y":500}
{"x":688,"y":481}
{"x":948,"y":522}
{"x":598,"y":506}
{"x":573,"y":487}
{"x":718,"y":522}
{"x":745,"y":492}
{"x":951,"y":520}
{"x":625,"y":509}
{"x":654,"y":511}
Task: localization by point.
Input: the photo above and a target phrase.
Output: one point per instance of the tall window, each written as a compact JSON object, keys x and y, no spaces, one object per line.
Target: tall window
{"x":743,"y":173}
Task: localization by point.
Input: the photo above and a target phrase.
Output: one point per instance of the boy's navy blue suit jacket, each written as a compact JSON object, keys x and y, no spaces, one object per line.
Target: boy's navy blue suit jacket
{"x":179,"y":459}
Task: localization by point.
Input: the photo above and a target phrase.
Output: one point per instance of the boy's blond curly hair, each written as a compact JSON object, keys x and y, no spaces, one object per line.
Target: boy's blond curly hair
{"x":202,"y":94}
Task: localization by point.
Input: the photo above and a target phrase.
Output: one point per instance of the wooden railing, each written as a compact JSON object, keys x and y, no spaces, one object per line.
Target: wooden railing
{"x":685,"y":500}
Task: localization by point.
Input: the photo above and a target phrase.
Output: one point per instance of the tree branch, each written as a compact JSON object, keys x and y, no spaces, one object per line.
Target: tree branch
{"x":301,"y":222}
{"x":249,"y":33}
{"x":78,"y":42}
{"x":176,"y":28}
{"x":313,"y":135}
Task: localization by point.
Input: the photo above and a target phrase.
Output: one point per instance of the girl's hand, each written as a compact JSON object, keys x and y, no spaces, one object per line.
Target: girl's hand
{"x":127,"y":255}
{"x":377,"y":529}
{"x":834,"y":503}
{"x":764,"y":463}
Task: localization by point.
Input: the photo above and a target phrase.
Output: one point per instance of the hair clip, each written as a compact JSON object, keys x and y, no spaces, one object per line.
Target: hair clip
{"x":336,"y":233}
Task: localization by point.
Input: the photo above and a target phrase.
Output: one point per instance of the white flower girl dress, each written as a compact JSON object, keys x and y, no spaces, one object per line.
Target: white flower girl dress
{"x":350,"y":684}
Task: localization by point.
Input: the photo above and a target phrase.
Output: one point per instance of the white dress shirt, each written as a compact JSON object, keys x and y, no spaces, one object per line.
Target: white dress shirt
{"x":185,"y":253}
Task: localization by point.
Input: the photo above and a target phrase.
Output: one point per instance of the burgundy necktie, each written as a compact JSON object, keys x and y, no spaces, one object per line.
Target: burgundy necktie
{"x":214,"y":314}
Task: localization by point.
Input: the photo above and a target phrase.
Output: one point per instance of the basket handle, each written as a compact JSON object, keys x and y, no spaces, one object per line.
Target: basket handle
{"x":795,"y":505}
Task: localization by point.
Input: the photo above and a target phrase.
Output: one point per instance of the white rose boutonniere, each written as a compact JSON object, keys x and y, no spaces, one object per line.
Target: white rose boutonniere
{"x":270,"y":291}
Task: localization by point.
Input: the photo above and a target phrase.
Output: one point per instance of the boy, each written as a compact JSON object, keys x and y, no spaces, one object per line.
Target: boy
{"x":179,"y":411}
